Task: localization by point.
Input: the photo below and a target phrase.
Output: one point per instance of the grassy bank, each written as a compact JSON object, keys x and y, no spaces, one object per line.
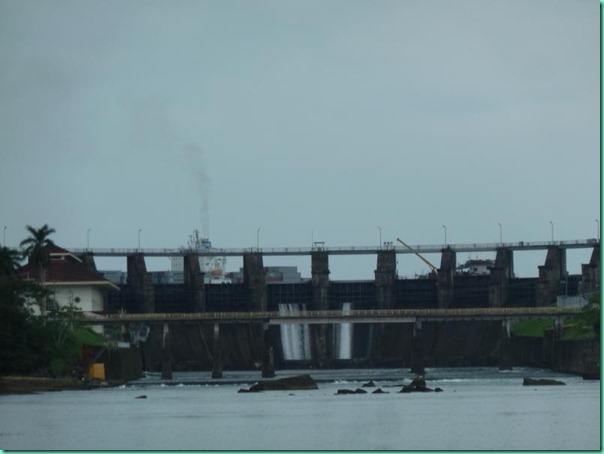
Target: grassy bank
{"x":27,"y":385}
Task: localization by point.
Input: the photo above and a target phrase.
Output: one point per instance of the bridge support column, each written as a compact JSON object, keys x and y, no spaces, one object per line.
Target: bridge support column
{"x":500,"y":275}
{"x":254,"y":279}
{"x":268,"y":361}
{"x":446,"y":278}
{"x":557,"y":333}
{"x":418,"y":365}
{"x":194,"y":285}
{"x":140,"y":285}
{"x":506,"y":355}
{"x":550,"y":275}
{"x":217,"y":356}
{"x":590,"y":273}
{"x":166,"y":355}
{"x":385,"y":278}
{"x":321,"y":334}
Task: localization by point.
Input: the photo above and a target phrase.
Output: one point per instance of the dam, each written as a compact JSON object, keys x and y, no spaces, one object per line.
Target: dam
{"x":453,"y":342}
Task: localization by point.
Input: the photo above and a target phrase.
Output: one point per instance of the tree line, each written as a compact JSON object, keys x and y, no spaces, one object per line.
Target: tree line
{"x":48,"y":344}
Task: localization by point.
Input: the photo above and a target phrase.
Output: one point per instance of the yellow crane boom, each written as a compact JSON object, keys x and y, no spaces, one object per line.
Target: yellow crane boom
{"x":425,"y":260}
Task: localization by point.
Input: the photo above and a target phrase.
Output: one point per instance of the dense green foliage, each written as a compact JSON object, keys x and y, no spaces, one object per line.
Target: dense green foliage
{"x":47,"y":344}
{"x":532,"y":328}
{"x":50,"y":343}
{"x":583,"y":326}
{"x":21,"y":346}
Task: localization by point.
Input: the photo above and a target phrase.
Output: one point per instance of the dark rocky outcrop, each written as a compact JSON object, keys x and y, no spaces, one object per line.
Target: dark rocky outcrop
{"x":379,"y":391}
{"x":350,"y":391}
{"x":591,"y":375}
{"x":345,"y":391}
{"x":297,"y":383}
{"x":418,"y":384}
{"x":369,"y":384}
{"x":541,"y":382}
{"x":141,"y":397}
{"x":438,"y":390}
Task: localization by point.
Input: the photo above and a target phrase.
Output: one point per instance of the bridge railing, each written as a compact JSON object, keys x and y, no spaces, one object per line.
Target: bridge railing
{"x":292,"y":251}
{"x":266,"y":316}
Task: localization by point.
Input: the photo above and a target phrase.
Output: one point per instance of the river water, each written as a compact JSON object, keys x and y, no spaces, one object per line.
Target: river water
{"x":480,"y":409}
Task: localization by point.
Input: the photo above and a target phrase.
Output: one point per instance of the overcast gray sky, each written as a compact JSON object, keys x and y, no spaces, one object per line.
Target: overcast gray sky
{"x":307,"y":119}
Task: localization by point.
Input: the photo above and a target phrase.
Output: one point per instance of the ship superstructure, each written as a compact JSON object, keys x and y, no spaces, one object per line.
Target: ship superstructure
{"x":213,"y":267}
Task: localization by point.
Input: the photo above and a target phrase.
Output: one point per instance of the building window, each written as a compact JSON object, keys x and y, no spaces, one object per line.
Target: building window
{"x":51,"y":304}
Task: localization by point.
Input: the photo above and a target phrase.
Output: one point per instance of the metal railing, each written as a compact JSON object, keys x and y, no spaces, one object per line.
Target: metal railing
{"x":336,"y":250}
{"x":338,"y":316}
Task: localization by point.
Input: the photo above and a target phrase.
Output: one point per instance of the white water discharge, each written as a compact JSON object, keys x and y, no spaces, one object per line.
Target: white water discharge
{"x":343,"y":336}
{"x":295,"y":338}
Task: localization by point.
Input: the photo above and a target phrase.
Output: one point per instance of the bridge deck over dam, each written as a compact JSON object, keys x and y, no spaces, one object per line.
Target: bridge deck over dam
{"x":339,"y":250}
{"x":350,"y":316}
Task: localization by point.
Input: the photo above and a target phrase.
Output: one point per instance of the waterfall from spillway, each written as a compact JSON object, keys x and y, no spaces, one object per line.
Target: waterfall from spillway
{"x":295,"y":338}
{"x":342,"y":337}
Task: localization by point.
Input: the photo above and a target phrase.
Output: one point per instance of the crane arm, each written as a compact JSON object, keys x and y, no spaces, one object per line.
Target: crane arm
{"x":425,"y":260}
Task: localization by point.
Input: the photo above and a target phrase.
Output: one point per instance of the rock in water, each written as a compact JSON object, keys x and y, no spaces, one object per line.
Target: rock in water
{"x":345,"y":391}
{"x":379,"y":391}
{"x":417,"y":385}
{"x":369,"y":384}
{"x":541,"y":382}
{"x":141,"y":397}
{"x":297,"y":383}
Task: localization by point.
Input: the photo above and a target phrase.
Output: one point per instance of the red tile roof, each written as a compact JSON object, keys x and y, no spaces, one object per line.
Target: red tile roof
{"x":65,"y":268}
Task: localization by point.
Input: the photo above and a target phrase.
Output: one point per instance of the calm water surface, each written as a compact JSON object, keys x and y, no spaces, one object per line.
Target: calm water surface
{"x":480,"y":409}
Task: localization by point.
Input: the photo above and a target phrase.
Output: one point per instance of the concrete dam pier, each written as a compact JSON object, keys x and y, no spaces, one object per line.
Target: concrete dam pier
{"x":218,"y":346}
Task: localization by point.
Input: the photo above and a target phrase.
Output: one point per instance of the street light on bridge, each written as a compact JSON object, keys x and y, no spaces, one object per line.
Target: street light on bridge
{"x":500,"y":233}
{"x":445,"y":227}
{"x":597,"y":222}
{"x":258,"y":238}
{"x":552,"y":223}
{"x":88,"y":239}
{"x":139,"y":239}
{"x":380,"y":244}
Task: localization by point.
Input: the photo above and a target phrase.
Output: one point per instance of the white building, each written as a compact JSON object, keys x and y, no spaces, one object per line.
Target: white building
{"x":70,"y":281}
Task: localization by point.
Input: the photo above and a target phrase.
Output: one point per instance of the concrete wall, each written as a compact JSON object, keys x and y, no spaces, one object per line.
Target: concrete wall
{"x":90,"y":298}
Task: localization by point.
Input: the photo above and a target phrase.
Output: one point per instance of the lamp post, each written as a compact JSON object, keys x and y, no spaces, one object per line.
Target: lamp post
{"x":500,"y":234}
{"x":552,"y":224}
{"x":380,"y":244}
{"x":597,"y":223}
{"x":4,"y":243}
{"x":139,"y":239}
{"x":88,"y":239}
{"x":445,"y":227}
{"x":258,"y":238}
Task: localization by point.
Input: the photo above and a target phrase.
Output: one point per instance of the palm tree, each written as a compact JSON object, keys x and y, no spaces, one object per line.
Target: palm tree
{"x":9,"y":261}
{"x":34,"y":248}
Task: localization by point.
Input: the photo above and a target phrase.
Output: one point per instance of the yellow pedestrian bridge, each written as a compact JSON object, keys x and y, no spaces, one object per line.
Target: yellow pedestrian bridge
{"x":341,"y":316}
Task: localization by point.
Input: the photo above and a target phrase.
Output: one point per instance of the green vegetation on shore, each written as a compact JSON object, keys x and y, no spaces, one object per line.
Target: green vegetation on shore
{"x":49,"y":344}
{"x":583,"y":326}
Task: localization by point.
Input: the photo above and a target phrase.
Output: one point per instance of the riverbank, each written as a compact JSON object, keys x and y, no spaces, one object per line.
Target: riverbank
{"x":29,"y":385}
